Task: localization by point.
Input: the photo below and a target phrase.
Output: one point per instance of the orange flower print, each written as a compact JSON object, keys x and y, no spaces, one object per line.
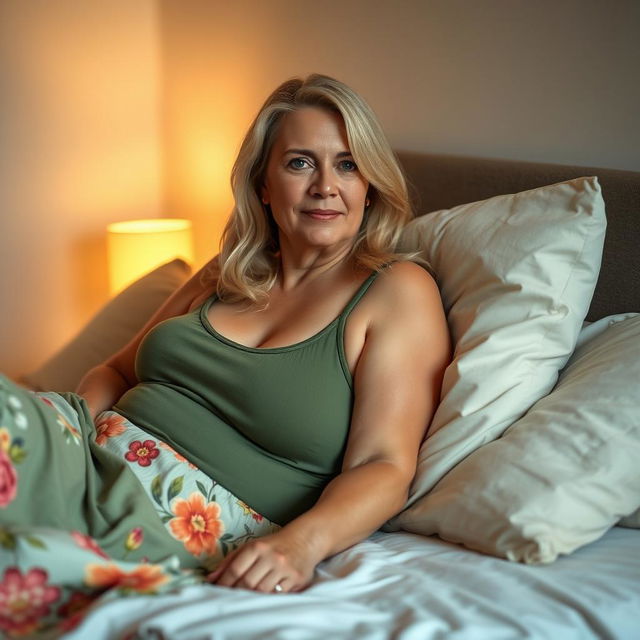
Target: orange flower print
{"x":5,"y":439}
{"x":108,"y":427}
{"x":197,"y":526}
{"x":145,"y":578}
{"x":249,"y":511}
{"x":177,"y":456}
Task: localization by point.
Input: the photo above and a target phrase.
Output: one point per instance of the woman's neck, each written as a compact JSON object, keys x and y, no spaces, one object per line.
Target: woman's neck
{"x":297,"y":270}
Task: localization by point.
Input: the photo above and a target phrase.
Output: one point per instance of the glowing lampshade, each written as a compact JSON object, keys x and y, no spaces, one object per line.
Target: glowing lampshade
{"x":136,"y":247}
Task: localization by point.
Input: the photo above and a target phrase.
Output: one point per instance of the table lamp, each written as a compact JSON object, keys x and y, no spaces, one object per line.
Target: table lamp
{"x":136,"y":247}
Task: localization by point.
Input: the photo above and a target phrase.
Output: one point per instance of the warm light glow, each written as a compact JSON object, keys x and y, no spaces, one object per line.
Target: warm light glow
{"x":136,"y":247}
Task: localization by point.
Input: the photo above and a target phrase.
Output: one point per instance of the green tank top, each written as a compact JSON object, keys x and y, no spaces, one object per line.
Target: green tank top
{"x":270,"y":425}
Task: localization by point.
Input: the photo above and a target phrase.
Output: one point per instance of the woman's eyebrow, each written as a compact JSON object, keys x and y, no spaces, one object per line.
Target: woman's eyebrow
{"x":311,"y":154}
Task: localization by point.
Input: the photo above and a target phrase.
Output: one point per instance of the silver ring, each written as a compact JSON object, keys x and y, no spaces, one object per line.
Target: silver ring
{"x":277,"y":588}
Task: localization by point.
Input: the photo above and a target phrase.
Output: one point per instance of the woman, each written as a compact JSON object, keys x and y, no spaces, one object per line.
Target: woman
{"x":299,"y":369}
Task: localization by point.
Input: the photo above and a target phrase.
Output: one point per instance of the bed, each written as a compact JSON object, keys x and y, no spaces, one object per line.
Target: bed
{"x":494,"y":542}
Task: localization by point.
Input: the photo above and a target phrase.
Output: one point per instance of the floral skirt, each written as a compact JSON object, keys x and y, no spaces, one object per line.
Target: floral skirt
{"x":90,"y":511}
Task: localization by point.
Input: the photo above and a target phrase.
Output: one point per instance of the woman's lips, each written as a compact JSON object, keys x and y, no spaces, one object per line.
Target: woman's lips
{"x":322,"y":214}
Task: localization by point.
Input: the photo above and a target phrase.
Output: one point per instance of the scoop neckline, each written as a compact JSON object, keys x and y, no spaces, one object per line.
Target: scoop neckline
{"x":204,"y":319}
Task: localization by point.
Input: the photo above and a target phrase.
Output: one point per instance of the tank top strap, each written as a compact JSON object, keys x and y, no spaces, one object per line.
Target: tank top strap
{"x":358,"y":295}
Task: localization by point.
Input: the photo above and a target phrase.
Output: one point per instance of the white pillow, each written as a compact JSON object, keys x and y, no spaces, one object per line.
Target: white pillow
{"x":516,"y":273}
{"x":562,"y":475}
{"x":632,"y":521}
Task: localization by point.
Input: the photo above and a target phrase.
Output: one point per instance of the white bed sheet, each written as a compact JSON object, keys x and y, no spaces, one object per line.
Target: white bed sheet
{"x":408,"y":587}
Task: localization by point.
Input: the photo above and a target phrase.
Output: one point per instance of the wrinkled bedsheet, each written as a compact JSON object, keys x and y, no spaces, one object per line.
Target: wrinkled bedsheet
{"x":408,"y":587}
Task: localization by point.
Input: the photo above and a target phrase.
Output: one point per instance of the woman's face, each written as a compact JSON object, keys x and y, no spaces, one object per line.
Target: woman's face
{"x":316,"y":193}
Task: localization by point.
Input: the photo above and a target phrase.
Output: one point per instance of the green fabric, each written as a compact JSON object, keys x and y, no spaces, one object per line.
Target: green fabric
{"x":92,"y":511}
{"x":269,"y":424}
{"x":62,"y":479}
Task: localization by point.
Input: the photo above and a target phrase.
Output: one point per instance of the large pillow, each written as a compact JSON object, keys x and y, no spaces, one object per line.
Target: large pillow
{"x":562,"y":475}
{"x":110,"y":329}
{"x":516,"y":274}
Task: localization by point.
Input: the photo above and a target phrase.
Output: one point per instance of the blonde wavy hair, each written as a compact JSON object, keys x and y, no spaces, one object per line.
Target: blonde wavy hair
{"x":247,"y":266}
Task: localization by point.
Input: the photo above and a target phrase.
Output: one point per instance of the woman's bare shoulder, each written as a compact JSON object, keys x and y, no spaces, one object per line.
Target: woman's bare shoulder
{"x":404,"y":296}
{"x":407,"y":269}
{"x":406,"y":283}
{"x":407,"y":316}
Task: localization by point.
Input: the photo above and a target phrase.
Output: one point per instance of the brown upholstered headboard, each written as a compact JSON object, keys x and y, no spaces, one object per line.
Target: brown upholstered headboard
{"x":440,"y":182}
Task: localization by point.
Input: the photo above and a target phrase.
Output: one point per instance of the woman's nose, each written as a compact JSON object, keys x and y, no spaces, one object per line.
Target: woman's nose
{"x":324,"y":184}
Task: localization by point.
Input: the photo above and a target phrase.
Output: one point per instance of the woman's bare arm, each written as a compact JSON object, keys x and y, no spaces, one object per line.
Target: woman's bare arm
{"x":397,"y":387}
{"x":103,"y":385}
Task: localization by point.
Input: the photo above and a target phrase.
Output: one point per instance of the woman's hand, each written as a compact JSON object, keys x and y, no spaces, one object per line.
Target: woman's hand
{"x":260,"y":565}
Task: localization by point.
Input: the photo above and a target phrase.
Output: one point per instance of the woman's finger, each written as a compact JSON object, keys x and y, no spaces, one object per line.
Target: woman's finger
{"x":224,"y":563}
{"x":256,"y":574}
{"x":213,"y":576}
{"x":283,"y":584}
{"x":236,"y":568}
{"x":268,"y":584}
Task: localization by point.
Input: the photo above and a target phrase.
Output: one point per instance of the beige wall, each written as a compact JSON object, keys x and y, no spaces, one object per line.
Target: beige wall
{"x":112,"y":110}
{"x":545,"y":80}
{"x":80,"y":147}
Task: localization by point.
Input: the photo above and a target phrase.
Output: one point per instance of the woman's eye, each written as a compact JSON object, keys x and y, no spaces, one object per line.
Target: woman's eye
{"x":303,"y":163}
{"x":297,"y":163}
{"x":348,"y":165}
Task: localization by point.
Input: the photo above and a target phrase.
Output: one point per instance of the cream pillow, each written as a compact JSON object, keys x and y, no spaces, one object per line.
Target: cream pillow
{"x":516,"y":273}
{"x":632,"y":521}
{"x":111,"y":328}
{"x":562,"y":475}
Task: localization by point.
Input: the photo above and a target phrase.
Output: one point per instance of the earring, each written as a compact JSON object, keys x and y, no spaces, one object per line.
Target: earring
{"x":367,"y":202}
